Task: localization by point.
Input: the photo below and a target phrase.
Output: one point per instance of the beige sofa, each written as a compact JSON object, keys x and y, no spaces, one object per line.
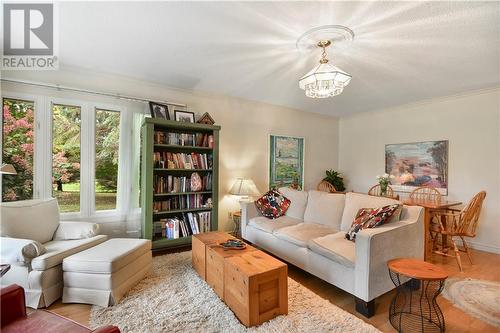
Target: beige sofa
{"x":24,"y":225}
{"x":311,"y":236}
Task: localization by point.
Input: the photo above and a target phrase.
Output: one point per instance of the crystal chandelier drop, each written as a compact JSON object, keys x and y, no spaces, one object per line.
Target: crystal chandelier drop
{"x":324,"y":80}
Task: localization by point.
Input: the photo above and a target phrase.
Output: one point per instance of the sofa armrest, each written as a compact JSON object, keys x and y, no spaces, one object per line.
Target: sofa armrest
{"x":375,"y":247}
{"x":107,"y":329}
{"x":248,"y":211}
{"x":17,"y":250}
{"x":76,"y":230}
{"x":13,"y":304}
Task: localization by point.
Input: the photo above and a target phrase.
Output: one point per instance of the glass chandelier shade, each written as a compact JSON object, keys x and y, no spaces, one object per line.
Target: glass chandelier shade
{"x":324,"y":80}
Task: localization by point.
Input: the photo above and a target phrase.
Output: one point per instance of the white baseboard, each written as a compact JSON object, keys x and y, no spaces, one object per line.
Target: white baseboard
{"x":480,"y":246}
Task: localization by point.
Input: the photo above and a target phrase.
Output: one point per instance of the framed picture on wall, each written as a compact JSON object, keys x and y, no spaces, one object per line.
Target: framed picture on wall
{"x":286,"y":161}
{"x":418,"y":164}
{"x":159,"y":110}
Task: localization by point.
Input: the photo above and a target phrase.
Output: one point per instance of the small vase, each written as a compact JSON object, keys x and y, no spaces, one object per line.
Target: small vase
{"x":383,"y":189}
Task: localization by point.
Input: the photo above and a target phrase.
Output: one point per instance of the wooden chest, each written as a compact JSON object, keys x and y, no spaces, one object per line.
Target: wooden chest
{"x":252,"y":283}
{"x":255,"y":287}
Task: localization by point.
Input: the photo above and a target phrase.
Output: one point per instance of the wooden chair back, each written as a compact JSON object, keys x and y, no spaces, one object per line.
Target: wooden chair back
{"x":325,"y":186}
{"x":375,"y":190}
{"x":470,"y":215}
{"x":426,"y":193}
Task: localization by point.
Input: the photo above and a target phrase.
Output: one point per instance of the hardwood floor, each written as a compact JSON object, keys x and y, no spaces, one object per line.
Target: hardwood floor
{"x":486,"y":267}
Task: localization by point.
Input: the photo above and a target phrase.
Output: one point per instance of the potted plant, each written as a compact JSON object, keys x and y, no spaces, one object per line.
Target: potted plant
{"x":334,"y":178}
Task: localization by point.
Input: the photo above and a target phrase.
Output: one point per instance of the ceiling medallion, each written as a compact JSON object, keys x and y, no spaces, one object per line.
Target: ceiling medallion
{"x":324,"y":80}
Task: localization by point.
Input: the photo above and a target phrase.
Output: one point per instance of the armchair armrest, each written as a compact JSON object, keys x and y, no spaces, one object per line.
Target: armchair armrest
{"x":13,"y":305}
{"x":76,"y":230}
{"x":17,"y":250}
{"x":374,"y":247}
{"x":248,"y":211}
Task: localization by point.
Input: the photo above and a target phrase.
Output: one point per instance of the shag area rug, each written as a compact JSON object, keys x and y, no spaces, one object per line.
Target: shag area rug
{"x":478,"y":298}
{"x":175,"y":299}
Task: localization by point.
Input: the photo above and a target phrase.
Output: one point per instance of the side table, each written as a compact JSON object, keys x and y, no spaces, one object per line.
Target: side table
{"x":414,"y":307}
{"x":237,"y":224}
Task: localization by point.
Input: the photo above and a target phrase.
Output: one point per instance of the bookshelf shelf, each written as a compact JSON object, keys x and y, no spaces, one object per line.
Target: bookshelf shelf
{"x":157,"y":179}
{"x":182,"y":148}
{"x":176,"y":211}
{"x":179,"y":193}
{"x":181,"y":170}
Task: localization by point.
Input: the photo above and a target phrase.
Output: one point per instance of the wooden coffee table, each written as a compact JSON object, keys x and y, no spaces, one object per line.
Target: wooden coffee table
{"x":252,"y":283}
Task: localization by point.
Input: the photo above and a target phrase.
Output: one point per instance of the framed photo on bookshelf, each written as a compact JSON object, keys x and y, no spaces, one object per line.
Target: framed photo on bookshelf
{"x":286,"y":161}
{"x":159,"y":110}
{"x":184,"y":116}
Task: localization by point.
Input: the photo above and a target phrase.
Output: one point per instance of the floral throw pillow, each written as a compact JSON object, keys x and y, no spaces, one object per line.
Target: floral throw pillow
{"x":373,"y":217}
{"x":273,"y":204}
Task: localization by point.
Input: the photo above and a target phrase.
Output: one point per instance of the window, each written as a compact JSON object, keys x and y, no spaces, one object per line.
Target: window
{"x":17,"y":148}
{"x":66,"y":120}
{"x":107,"y":139}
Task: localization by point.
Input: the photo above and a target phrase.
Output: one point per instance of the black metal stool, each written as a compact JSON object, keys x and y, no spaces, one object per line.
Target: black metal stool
{"x":414,"y":308}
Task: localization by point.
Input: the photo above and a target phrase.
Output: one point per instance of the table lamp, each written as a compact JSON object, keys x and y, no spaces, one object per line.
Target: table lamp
{"x":8,"y":169}
{"x":244,"y":188}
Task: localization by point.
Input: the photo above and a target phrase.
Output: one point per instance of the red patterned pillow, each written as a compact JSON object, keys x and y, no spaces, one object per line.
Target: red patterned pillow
{"x":371,"y":218}
{"x":273,"y":204}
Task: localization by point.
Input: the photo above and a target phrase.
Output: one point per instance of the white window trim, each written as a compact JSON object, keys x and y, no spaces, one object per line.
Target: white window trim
{"x":42,"y":168}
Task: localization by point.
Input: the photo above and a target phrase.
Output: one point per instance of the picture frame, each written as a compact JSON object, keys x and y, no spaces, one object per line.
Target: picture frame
{"x":417,"y":164}
{"x":286,"y":161}
{"x":159,"y":111}
{"x":184,"y":116}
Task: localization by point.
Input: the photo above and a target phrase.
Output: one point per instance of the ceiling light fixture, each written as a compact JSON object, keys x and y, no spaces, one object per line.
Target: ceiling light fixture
{"x":324,"y":80}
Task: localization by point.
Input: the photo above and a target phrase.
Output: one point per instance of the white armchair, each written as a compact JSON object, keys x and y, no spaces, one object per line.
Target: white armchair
{"x":34,"y":242}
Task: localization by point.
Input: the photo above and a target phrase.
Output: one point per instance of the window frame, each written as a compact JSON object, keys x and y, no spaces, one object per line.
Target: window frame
{"x":42,"y":159}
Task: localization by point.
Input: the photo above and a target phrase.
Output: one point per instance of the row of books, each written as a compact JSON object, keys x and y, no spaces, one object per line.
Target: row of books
{"x":183,"y":226}
{"x":186,"y":201}
{"x":171,"y":184}
{"x":184,"y":139}
{"x":168,"y":160}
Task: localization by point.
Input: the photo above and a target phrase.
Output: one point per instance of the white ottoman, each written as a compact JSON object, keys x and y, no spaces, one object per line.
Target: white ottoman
{"x":104,"y":273}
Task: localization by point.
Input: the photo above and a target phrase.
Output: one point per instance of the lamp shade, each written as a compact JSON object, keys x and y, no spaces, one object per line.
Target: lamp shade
{"x":244,"y":187}
{"x":8,"y":169}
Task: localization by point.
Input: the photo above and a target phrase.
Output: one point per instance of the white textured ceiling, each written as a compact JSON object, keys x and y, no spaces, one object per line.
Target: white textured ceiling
{"x":402,"y":52}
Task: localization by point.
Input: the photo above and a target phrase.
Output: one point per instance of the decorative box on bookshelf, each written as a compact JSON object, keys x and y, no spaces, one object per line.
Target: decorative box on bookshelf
{"x":179,"y":181}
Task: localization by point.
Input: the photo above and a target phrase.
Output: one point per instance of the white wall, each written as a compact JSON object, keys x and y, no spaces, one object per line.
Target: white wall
{"x":246,"y":126}
{"x":471,"y":123}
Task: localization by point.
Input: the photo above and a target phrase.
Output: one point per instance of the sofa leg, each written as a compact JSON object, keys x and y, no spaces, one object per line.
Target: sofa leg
{"x":367,"y":309}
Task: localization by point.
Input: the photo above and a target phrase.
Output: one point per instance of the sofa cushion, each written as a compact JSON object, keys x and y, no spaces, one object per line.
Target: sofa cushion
{"x":355,"y":201}
{"x":29,"y":219}
{"x":373,"y":217}
{"x":267,"y":225}
{"x":298,"y":202}
{"x":107,"y":257}
{"x":302,"y":233}
{"x":273,"y":204}
{"x":58,"y":250}
{"x":324,"y":208}
{"x":336,"y":248}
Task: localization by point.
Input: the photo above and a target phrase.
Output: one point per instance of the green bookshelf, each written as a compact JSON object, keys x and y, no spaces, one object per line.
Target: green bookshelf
{"x":150,"y":169}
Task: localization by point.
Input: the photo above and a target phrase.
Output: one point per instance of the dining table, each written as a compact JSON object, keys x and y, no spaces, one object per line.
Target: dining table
{"x":429,"y":206}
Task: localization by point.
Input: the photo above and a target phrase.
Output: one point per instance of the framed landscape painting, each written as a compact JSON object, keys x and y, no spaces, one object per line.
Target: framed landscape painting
{"x":418,"y":164}
{"x":286,"y":163}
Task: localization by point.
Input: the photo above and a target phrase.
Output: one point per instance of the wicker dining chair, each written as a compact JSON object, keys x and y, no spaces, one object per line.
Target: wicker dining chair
{"x":425,"y":193}
{"x":325,"y":186}
{"x":461,"y":223}
{"x":375,"y":190}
